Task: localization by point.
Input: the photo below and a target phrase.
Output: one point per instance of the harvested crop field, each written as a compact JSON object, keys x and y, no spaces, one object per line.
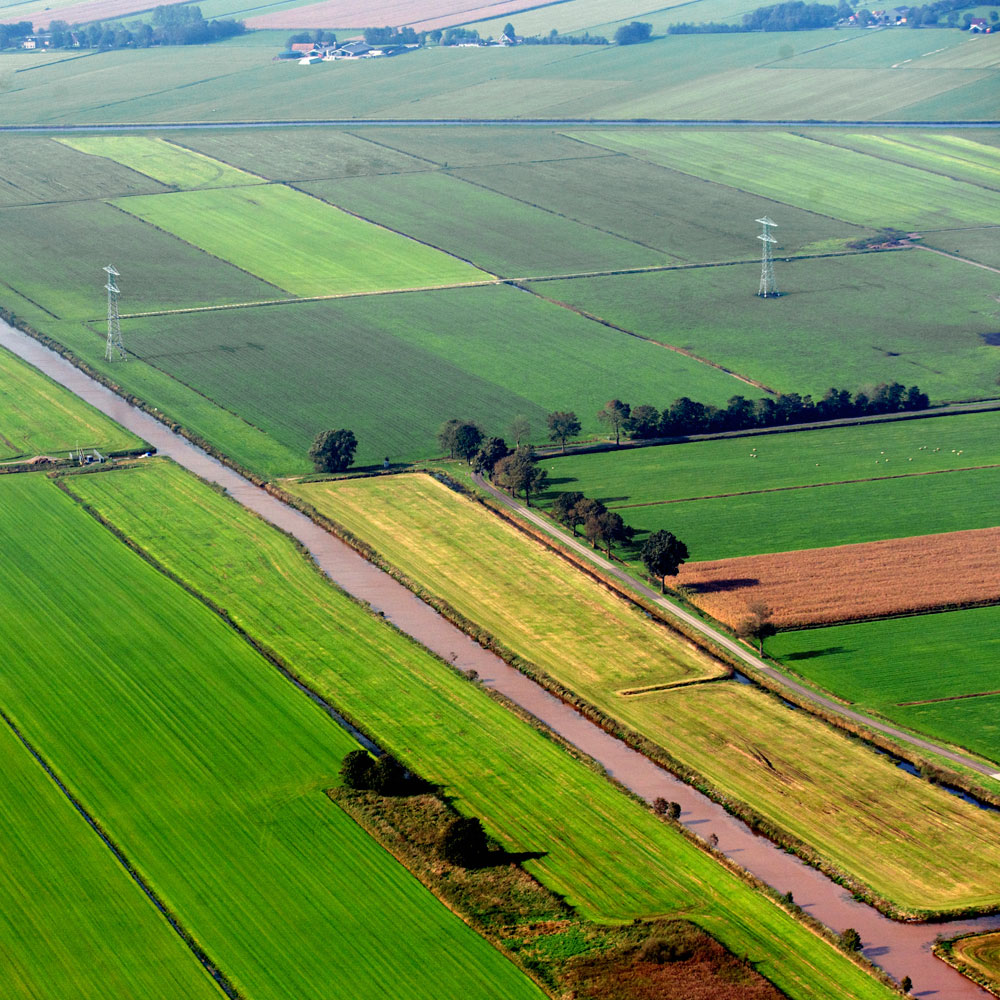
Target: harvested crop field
{"x":424,"y":15}
{"x":82,"y":13}
{"x":852,"y":582}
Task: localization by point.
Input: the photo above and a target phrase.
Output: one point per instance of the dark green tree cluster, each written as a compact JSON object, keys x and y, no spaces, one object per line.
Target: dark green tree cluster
{"x":333,"y":451}
{"x":455,"y":36}
{"x":384,"y":775}
{"x":317,"y":37}
{"x":464,"y":842}
{"x":12,"y":35}
{"x":792,"y":16}
{"x":490,"y":452}
{"x":520,"y":472}
{"x":460,"y":438}
{"x":633,"y":33}
{"x":394,"y":36}
{"x":600,"y":525}
{"x":686,"y":416}
{"x":554,"y":38}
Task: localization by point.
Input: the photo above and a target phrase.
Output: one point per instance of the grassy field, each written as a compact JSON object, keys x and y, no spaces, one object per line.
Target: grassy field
{"x":828,"y":515}
{"x":715,"y":76}
{"x":828,"y":327}
{"x":796,"y":771}
{"x":823,"y":586}
{"x":499,"y":234}
{"x":209,"y":769}
{"x":980,"y":245}
{"x":39,"y":417}
{"x":860,"y":187}
{"x":394,"y":367}
{"x":299,"y":243}
{"x":162,"y":160}
{"x":888,"y":665}
{"x":800,"y":458}
{"x":71,"y":920}
{"x":982,"y":953}
{"x":610,"y":857}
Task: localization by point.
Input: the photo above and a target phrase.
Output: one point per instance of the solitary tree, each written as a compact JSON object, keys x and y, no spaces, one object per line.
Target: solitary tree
{"x":356,"y":770}
{"x":520,"y":473}
{"x":333,"y":451}
{"x":757,"y":624}
{"x":468,"y":438}
{"x":615,"y":414}
{"x":562,"y":424}
{"x":388,"y":776}
{"x":446,"y":435}
{"x":906,"y":984}
{"x":520,"y":430}
{"x":463,"y":842}
{"x":851,"y":939}
{"x":662,"y":554}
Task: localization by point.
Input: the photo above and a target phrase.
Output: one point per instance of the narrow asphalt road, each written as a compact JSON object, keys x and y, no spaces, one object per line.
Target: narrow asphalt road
{"x":742,"y":654}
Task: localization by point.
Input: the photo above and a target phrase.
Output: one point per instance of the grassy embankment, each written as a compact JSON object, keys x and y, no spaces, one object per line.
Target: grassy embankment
{"x":209,"y":770}
{"x":610,"y":858}
{"x":71,"y":920}
{"x":636,"y":483}
{"x":979,"y":955}
{"x":800,"y":774}
{"x":39,"y":417}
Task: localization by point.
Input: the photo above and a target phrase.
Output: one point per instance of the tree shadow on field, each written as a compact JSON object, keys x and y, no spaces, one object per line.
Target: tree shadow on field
{"x":811,"y":654}
{"x":722,"y":586}
{"x":499,"y":858}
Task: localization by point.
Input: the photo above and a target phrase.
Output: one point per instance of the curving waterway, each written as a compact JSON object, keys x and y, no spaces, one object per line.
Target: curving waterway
{"x":901,"y":949}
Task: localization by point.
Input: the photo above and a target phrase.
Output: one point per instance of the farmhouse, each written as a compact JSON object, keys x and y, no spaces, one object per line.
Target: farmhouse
{"x":36,"y":42}
{"x":979,"y":25}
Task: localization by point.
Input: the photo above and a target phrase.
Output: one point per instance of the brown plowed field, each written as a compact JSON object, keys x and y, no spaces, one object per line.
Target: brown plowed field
{"x":851,"y":582}
{"x":424,"y":15}
{"x":82,"y":13}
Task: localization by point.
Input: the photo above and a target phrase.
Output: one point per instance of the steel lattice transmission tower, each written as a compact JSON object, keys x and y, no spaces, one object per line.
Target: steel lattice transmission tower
{"x":115,"y":351}
{"x":768,"y":288}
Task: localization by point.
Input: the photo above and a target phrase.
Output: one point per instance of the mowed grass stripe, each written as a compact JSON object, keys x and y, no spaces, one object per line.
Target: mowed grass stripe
{"x":795,"y":770}
{"x":162,"y":160}
{"x":39,"y":417}
{"x":72,"y":922}
{"x":299,"y":243}
{"x":609,"y":856}
{"x":814,"y":175}
{"x":880,"y":665}
{"x":208,"y":769}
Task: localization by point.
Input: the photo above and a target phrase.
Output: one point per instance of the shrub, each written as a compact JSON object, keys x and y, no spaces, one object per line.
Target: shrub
{"x":463,"y":842}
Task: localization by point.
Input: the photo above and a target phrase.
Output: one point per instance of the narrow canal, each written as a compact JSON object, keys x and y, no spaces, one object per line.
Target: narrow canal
{"x":901,"y":949}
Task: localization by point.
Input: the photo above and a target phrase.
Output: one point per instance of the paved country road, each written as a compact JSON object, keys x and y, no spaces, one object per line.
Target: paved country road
{"x":740,"y":652}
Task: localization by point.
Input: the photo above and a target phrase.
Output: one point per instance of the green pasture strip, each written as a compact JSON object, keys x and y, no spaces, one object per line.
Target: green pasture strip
{"x":161,"y":160}
{"x":799,"y":773}
{"x":39,"y":417}
{"x":394,"y":367}
{"x":72,"y":922}
{"x":566,"y":18}
{"x":499,"y":234}
{"x":877,"y":665}
{"x":827,"y":515}
{"x":980,"y":245}
{"x":901,"y":50}
{"x":37,"y":170}
{"x":952,"y":155}
{"x":299,"y":243}
{"x":537,"y":604}
{"x":208,"y":769}
{"x":813,"y":175}
{"x":54,"y":255}
{"x":772,"y":461}
{"x":611,"y":858}
{"x":289,"y":155}
{"x":851,"y":322}
{"x":972,"y":52}
{"x":690,"y":218}
{"x":975,"y":101}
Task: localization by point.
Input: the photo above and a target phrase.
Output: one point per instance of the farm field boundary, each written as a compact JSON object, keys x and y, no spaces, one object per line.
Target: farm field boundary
{"x":852,"y":582}
{"x":403,"y":518}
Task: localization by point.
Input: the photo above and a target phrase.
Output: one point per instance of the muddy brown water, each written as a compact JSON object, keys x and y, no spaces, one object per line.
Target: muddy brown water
{"x":901,"y":949}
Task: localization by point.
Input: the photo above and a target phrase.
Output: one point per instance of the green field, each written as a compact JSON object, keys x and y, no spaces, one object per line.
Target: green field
{"x":981,"y":245}
{"x":394,"y":367}
{"x":71,"y":920}
{"x":209,"y":769}
{"x":799,"y":458}
{"x":162,"y":160}
{"x":801,"y":170}
{"x":827,"y":515}
{"x":301,"y":244}
{"x":829,"y":326}
{"x":713,"y":76}
{"x":39,"y":417}
{"x":499,"y":234}
{"x":880,"y":665}
{"x":799,"y":773}
{"x":610,"y":857}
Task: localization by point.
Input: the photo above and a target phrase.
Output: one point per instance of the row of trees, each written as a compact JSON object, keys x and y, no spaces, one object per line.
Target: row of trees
{"x":13,"y":34}
{"x":175,"y":24}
